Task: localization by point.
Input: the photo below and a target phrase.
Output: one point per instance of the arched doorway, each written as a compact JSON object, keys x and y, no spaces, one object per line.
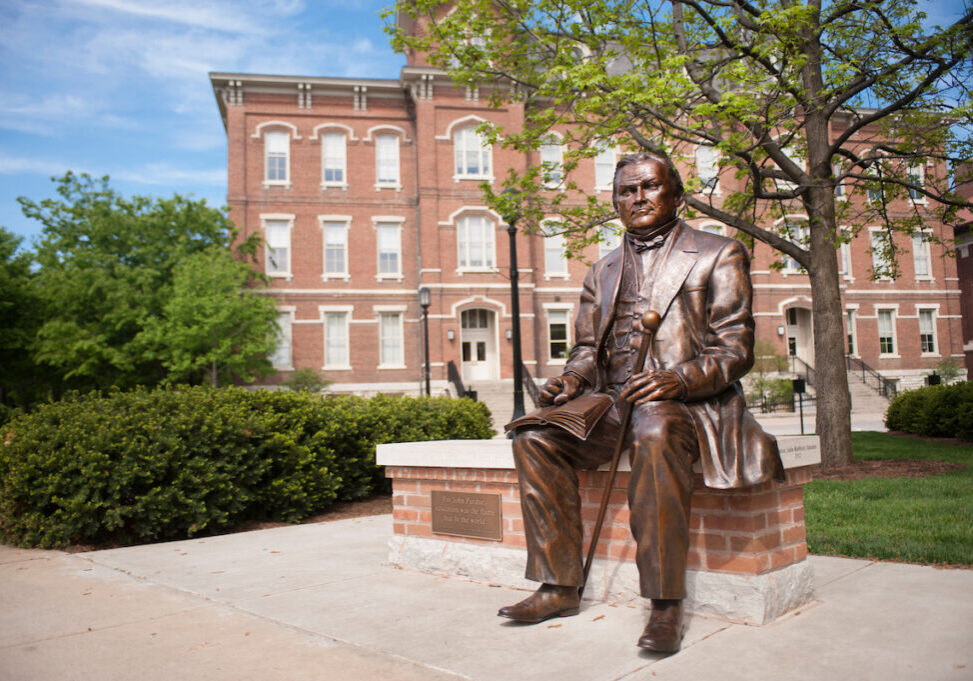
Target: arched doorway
{"x":478,"y":345}
{"x":800,"y":334}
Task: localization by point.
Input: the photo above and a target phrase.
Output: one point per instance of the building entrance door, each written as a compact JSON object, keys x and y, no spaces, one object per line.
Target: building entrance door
{"x":800,"y":334}
{"x":478,"y":345}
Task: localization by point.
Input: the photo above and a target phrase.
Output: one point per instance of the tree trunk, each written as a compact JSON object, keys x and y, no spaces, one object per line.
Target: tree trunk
{"x":213,"y":379}
{"x":830,"y":375}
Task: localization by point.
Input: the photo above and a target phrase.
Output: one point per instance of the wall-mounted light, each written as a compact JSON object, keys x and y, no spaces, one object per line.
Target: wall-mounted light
{"x":450,"y":334}
{"x":510,"y":334}
{"x":780,"y":330}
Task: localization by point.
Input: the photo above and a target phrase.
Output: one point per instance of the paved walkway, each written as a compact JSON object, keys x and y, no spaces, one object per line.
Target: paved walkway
{"x":318,"y":601}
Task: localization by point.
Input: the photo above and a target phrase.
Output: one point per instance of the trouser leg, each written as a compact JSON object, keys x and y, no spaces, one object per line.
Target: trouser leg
{"x":546,"y":460}
{"x":664,"y":447}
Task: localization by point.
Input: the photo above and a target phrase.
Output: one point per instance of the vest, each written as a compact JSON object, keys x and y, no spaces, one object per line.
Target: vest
{"x":622,"y":342}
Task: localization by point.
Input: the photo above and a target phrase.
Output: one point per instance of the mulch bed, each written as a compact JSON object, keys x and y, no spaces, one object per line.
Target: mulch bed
{"x":892,"y":468}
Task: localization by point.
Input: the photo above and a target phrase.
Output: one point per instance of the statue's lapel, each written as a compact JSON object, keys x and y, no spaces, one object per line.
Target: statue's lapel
{"x":678,"y":257}
{"x":611,"y":280}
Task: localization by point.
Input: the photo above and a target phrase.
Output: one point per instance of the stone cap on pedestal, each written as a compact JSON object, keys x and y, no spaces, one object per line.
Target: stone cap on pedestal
{"x":796,"y":451}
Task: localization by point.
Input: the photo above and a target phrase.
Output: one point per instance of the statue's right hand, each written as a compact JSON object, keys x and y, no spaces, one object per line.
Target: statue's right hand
{"x":560,"y":389}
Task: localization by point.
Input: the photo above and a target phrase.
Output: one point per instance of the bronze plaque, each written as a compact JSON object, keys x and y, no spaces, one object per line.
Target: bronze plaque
{"x":466,"y":514}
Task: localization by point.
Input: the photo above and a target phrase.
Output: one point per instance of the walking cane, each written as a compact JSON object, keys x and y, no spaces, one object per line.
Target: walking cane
{"x":650,"y":324}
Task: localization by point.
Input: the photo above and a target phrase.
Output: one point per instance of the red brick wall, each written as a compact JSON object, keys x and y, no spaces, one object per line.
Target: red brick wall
{"x":749,"y":531}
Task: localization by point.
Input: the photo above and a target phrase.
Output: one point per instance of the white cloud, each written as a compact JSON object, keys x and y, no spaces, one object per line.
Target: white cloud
{"x":19,"y":165}
{"x":168,"y":174}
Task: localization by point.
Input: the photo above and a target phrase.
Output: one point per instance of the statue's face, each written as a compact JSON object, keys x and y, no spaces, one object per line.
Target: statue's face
{"x":645,"y":196}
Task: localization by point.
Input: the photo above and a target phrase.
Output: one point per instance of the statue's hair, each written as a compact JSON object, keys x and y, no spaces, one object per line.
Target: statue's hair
{"x":642,"y":157}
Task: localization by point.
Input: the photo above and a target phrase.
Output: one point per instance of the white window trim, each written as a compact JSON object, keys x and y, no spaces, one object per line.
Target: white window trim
{"x":464,"y":121}
{"x":399,"y":138}
{"x":282,"y":217}
{"x":845,"y":250}
{"x":348,"y":311}
{"x":325,"y":184}
{"x":550,"y":138}
{"x":787,"y":269}
{"x":836,"y":170}
{"x":871,"y":242}
{"x":894,"y":309}
{"x":557,"y":307}
{"x":289,"y":310}
{"x":322,"y":220}
{"x":319,"y":130}
{"x":935,"y":329}
{"x":923,"y":277}
{"x":400,"y":310}
{"x":614,"y":152}
{"x":468,"y":211}
{"x":292,"y":135}
{"x":390,"y":220}
{"x":853,"y":329}
{"x":549,"y":275}
{"x":706,"y":189}
{"x":479,"y":177}
{"x":922,"y":200}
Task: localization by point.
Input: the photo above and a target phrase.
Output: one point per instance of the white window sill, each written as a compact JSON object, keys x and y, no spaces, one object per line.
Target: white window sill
{"x":379,"y":186}
{"x":557,"y":362}
{"x":883,"y":356}
{"x":926,"y":278}
{"x":930,"y":354}
{"x":389,"y":277}
{"x":336,"y":276}
{"x":603,"y":189}
{"x":850,"y":280}
{"x":334,"y":185}
{"x":277,"y":183}
{"x":280,"y":275}
{"x":288,"y":367}
{"x":476,"y":178}
{"x":557,"y":275}
{"x":337,"y":367}
{"x":382,"y":367}
{"x":477,"y":270}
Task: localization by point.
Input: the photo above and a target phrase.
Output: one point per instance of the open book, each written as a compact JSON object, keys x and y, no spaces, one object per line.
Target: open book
{"x":578,"y":416}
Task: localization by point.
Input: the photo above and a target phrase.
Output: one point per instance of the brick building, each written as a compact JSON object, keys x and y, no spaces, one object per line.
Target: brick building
{"x":365,"y":190}
{"x":964,"y":265}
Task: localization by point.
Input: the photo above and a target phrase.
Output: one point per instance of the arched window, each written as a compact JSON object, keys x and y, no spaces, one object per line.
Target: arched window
{"x":475,"y":244}
{"x":472,"y":154}
{"x":552,"y":161}
{"x":277,"y":148}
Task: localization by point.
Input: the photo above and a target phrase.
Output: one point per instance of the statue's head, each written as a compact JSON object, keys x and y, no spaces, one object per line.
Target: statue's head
{"x":646,"y":191}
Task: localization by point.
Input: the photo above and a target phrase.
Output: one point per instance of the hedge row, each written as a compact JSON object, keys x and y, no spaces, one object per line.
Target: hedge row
{"x":935,"y":411}
{"x":162,"y":464}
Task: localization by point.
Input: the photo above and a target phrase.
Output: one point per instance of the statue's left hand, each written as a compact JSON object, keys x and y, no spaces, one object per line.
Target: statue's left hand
{"x":654,"y":385}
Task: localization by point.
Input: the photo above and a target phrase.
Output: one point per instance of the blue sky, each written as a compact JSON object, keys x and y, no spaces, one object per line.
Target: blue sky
{"x":120,"y":87}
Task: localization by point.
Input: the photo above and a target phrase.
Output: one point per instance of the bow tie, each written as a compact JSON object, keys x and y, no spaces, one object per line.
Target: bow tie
{"x":648,"y":244}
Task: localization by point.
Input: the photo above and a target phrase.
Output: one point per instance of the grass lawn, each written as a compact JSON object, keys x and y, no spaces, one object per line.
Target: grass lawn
{"x":919,"y":520}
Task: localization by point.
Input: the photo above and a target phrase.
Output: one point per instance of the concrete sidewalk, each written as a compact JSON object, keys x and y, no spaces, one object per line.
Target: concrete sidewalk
{"x":318,"y":602}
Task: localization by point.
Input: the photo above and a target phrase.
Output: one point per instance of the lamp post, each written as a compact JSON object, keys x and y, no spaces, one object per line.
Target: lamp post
{"x":425,"y":299}
{"x":511,"y":220}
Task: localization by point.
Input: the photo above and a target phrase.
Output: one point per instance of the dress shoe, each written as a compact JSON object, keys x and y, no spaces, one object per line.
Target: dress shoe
{"x":663,"y":633}
{"x":547,"y":602}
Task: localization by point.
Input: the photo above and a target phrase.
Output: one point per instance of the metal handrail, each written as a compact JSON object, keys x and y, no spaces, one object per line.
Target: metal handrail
{"x":530,"y":386}
{"x":870,"y":377}
{"x":802,"y":368}
{"x":452,"y":373}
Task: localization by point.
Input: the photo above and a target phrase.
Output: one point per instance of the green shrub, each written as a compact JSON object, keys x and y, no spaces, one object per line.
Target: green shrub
{"x":934,"y":411}
{"x":150,"y":465}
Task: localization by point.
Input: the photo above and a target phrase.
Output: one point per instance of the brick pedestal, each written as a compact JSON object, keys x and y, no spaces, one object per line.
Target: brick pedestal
{"x":747,"y":558}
